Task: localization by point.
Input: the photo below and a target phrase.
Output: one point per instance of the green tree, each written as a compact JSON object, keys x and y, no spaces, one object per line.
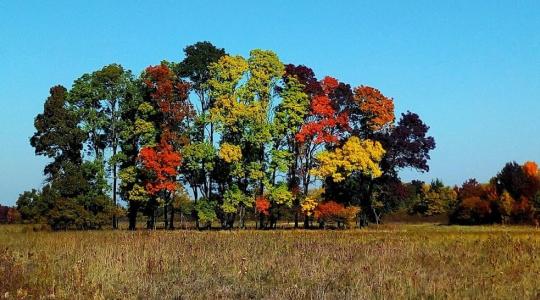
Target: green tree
{"x":30,"y":206}
{"x":289,"y":117}
{"x":133,"y":132}
{"x":244,"y":93}
{"x":97,"y":98}
{"x":57,"y":133}
{"x":200,"y":154}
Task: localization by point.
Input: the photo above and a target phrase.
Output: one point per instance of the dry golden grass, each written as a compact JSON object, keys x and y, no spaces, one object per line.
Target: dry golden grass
{"x":387,"y":262}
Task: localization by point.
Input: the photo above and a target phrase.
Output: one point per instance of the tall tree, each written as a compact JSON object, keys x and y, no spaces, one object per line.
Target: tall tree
{"x":75,"y":191}
{"x":200,"y":154}
{"x":168,"y":109}
{"x":97,"y":98}
{"x":407,"y":145}
{"x":57,"y":133}
{"x":289,"y":118}
{"x":195,"y":68}
{"x":133,"y":133}
{"x":244,"y":93}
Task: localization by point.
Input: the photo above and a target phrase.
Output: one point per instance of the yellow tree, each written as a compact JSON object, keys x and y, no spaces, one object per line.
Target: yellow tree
{"x":243,"y":91}
{"x":354,"y":156}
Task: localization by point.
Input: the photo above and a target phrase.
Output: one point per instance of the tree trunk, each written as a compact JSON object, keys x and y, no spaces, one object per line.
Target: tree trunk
{"x":209,"y":174}
{"x":132,"y":215}
{"x":261,"y":221}
{"x":171,"y":222}
{"x":242,"y":212}
{"x":165,"y":216}
{"x":375,"y":215}
{"x":196,"y":196}
{"x":151,"y":222}
{"x":115,"y":201}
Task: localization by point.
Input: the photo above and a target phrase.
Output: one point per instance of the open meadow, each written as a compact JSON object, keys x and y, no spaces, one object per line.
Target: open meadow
{"x":388,"y":261}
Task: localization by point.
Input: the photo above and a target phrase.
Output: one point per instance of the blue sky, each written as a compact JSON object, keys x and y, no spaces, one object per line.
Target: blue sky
{"x":470,"y":69}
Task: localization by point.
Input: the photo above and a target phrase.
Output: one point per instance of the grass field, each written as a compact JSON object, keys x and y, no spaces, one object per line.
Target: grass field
{"x":385,"y":262}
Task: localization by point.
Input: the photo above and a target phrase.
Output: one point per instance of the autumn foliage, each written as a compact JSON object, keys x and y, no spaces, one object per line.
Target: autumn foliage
{"x":168,"y":93}
{"x":511,"y":197}
{"x":377,"y":109}
{"x":248,"y":136}
{"x":531,"y":169}
{"x":9,"y":215}
{"x":162,"y":163}
{"x":332,"y":211}
{"x":262,"y":205}
{"x":326,"y":122}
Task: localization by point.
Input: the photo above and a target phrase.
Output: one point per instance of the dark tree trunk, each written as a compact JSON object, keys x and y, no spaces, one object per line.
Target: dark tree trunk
{"x":115,"y":201}
{"x":171,"y":222}
{"x":132,"y":215}
{"x":165,"y":216}
{"x":151,"y":222}
{"x":242,"y":213}
{"x":196,"y":196}
{"x":296,"y":216}
{"x":261,"y":221}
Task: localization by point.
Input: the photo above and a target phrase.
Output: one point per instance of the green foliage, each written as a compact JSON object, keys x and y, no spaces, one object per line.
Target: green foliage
{"x":75,"y":199}
{"x":57,"y":133}
{"x":206,"y":211}
{"x":435,"y":199}
{"x":265,"y":69}
{"x":232,"y":129}
{"x":182,"y":202}
{"x":280,"y":160}
{"x":233,"y":198}
{"x":293,"y":108}
{"x":195,"y":67}
{"x":31,"y":207}
{"x":281,"y":195}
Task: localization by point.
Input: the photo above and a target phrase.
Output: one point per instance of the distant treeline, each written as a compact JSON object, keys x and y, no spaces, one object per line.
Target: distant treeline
{"x":9,"y":215}
{"x":221,"y":138}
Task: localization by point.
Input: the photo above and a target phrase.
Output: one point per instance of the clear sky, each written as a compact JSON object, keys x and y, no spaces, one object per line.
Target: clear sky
{"x":470,"y":69}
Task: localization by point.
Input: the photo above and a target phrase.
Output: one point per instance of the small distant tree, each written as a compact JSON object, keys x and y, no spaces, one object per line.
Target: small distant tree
{"x":206,"y":212}
{"x":434,"y":199}
{"x":31,"y":207}
{"x":262,"y":207}
{"x":333,"y":212}
{"x":13,"y":216}
{"x":505,"y":206}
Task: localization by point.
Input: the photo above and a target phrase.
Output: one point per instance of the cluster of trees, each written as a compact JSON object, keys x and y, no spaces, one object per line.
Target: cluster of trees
{"x":513,"y":196}
{"x":238,"y":136}
{"x":431,"y":199}
{"x":9,"y":215}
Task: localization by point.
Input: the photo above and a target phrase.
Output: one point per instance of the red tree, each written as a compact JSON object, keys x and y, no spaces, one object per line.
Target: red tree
{"x":328,"y":210}
{"x":262,"y":205}
{"x":170,"y":97}
{"x":326,"y":122}
{"x":162,"y":163}
{"x":378,"y":110}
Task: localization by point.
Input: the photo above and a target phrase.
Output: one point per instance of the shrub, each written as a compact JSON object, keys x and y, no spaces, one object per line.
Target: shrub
{"x":262,"y":205}
{"x":206,"y":211}
{"x":332,"y":211}
{"x":473,"y":210}
{"x":522,"y":211}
